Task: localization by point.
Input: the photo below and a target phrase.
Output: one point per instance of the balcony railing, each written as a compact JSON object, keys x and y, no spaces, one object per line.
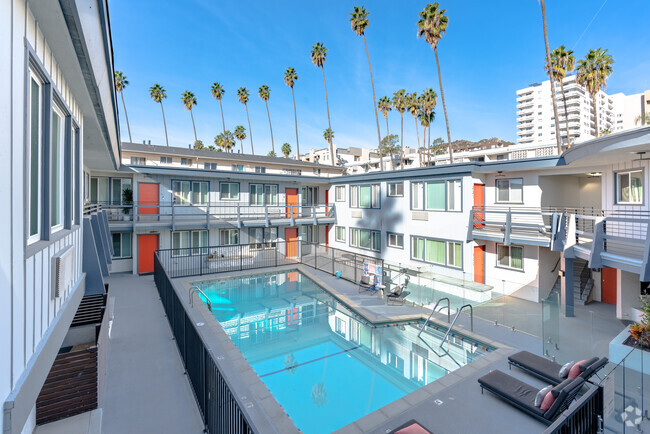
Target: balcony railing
{"x":506,"y":223}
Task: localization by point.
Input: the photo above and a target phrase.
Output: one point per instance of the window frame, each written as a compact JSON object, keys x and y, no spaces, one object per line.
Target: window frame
{"x":342,"y":189}
{"x":33,"y":72}
{"x":143,"y":159}
{"x":122,"y":234}
{"x":509,"y":266}
{"x":228,"y":230}
{"x":190,"y":201}
{"x":394,"y":246}
{"x":629,"y":173}
{"x":373,"y":233}
{"x":421,"y":186}
{"x":64,"y":137}
{"x":447,"y":242}
{"x":166,"y":160}
{"x":264,"y":193}
{"x":391,"y":184}
{"x":374,"y":196}
{"x":229,"y":192}
{"x":209,"y":166}
{"x":496,"y":188}
{"x":336,"y":234}
{"x":312,"y":234}
{"x":267,"y":242}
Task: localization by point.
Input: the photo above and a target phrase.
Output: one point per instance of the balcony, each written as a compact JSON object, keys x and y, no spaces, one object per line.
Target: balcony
{"x":238,"y":214}
{"x":529,"y":226}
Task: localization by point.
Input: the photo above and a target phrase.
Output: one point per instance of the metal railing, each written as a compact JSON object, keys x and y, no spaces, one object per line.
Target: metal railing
{"x":451,"y":326}
{"x":509,"y":221}
{"x":193,"y":290}
{"x":433,"y":310}
{"x":91,"y":208}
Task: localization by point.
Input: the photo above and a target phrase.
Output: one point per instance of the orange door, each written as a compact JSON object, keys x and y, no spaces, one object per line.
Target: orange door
{"x":148,"y":198}
{"x":479,"y":264}
{"x":327,"y":195}
{"x":292,"y":199}
{"x":327,"y":236}
{"x":291,"y":237}
{"x":147,"y":245}
{"x":608,"y":285}
{"x":479,"y":198}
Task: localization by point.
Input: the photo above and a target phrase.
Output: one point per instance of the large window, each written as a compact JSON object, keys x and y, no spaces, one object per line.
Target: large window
{"x":263,"y":194}
{"x":436,"y":195}
{"x":121,"y":245}
{"x":184,"y":242}
{"x":35,"y":156}
{"x":309,"y":196}
{"x":229,"y":191}
{"x":442,"y":252}
{"x":396,"y":240}
{"x":190,"y":192}
{"x":365,"y":196}
{"x":57,"y":180}
{"x":262,"y":237}
{"x":181,"y":192}
{"x":339,"y":193}
{"x":309,"y":234}
{"x":118,"y":185}
{"x":396,"y":189}
{"x":365,"y":239}
{"x":340,"y":234}
{"x":229,"y":237}
{"x":200,"y":193}
{"x":99,"y":190}
{"x":510,"y":190}
{"x":629,"y":187}
{"x":138,"y":161}
{"x":510,"y":257}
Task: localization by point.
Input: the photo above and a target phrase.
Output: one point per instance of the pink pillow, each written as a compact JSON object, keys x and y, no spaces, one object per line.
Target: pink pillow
{"x":549,"y":399}
{"x":576,"y":370}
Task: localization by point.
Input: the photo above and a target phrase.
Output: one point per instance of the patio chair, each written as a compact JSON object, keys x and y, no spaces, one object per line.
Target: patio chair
{"x":398,"y":295}
{"x":547,"y":370}
{"x":368,"y":283}
{"x":522,"y":395}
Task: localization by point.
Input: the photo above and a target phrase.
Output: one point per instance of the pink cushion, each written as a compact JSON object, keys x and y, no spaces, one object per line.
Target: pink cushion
{"x":549,"y":399}
{"x":576,"y":370}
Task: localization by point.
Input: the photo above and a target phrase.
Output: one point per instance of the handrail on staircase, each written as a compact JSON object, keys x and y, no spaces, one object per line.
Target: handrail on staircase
{"x":471,"y":314}
{"x":433,"y":310}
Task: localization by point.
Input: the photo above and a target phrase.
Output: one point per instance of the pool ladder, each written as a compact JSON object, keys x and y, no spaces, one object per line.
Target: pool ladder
{"x":471,"y":316}
{"x":194,"y":290}
{"x":433,"y":310}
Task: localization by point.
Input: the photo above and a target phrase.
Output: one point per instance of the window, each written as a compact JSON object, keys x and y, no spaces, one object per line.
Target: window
{"x":417,"y":200}
{"x":437,"y":195}
{"x":210,"y":166}
{"x":449,"y":253}
{"x":35,"y":156}
{"x":365,"y":196}
{"x":270,"y":194}
{"x":629,"y":187}
{"x":229,"y":191}
{"x":396,"y":241}
{"x":229,"y":237}
{"x":186,"y":242}
{"x":199,"y":193}
{"x":260,"y":169}
{"x":190,"y":192}
{"x":309,"y":234}
{"x":261,"y":194}
{"x":510,"y":190}
{"x":365,"y":239}
{"x":309,"y":195}
{"x":510,"y":257}
{"x":292,"y":171}
{"x":99,"y":190}
{"x":396,"y":189}
{"x":339,"y":193}
{"x":180,"y":243}
{"x":121,"y":245}
{"x":340,"y":234}
{"x":237,"y":167}
{"x":118,"y":185}
{"x":138,"y":161}
{"x":186,"y":161}
{"x":454,"y":194}
{"x":199,"y":242}
{"x":181,"y":192}
{"x":316,"y":171}
{"x":57,"y":180}
{"x":166,"y":160}
{"x":262,"y":237}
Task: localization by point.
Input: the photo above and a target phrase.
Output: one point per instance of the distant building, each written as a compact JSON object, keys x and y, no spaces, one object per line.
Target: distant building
{"x":344,"y":156}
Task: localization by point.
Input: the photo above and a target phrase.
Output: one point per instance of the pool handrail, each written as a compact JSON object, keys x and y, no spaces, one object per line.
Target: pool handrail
{"x":471,"y":313}
{"x":433,"y":310}
{"x":193,"y":290}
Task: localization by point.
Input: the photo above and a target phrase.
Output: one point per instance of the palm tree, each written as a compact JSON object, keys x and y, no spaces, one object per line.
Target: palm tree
{"x":425,"y":122}
{"x":593,"y":72}
{"x":399,"y":104}
{"x":549,"y":68}
{"x":218,"y":140}
{"x":242,"y":94}
{"x":328,"y":135}
{"x":218,"y":92}
{"x":158,"y":93}
{"x":189,"y":101}
{"x":562,"y":62}
{"x":228,"y":140}
{"x":385,"y":107}
{"x":240,"y":134}
{"x":359,"y":22}
{"x":428,"y":101}
{"x":265,"y":93}
{"x":286,"y":150}
{"x":318,"y":54}
{"x":643,"y":119}
{"x":413,"y":106}
{"x":120,"y":83}
{"x":432,"y":25}
{"x":290,"y":78}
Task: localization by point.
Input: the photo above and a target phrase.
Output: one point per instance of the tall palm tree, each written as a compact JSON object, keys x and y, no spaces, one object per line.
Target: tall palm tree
{"x":318,"y":54}
{"x":328,"y":135}
{"x":189,"y":101}
{"x":120,"y":83}
{"x":549,"y":68}
{"x":286,"y":150}
{"x":265,"y":94}
{"x":228,"y":141}
{"x":428,"y":101}
{"x":385,"y":107}
{"x":359,"y":22}
{"x":158,"y":93}
{"x":562,"y":62}
{"x":399,"y":104}
{"x":425,"y":122}
{"x":593,"y":72}
{"x":242,"y":95}
{"x":431,"y":26}
{"x":290,"y":78}
{"x":240,"y":134}
{"x":413,"y":106}
{"x":218,"y":92}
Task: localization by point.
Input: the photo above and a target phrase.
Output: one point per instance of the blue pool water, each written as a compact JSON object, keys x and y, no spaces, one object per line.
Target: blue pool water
{"x":322,"y":363}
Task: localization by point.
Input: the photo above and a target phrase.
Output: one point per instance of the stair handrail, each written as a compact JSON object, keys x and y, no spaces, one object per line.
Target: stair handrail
{"x":471,"y":314}
{"x":194,"y":290}
{"x":433,"y":310}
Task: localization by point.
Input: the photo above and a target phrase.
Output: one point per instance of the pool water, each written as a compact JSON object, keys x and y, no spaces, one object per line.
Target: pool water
{"x":323,"y":364}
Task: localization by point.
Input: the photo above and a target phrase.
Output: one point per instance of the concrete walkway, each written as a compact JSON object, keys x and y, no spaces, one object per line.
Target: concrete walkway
{"x":145,"y":388}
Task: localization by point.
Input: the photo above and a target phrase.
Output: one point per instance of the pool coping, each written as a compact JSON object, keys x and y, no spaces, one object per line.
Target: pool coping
{"x":261,"y":396}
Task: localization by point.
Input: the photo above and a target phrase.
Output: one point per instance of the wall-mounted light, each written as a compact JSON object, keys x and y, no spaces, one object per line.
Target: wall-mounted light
{"x":500,"y":173}
{"x":594,"y":174}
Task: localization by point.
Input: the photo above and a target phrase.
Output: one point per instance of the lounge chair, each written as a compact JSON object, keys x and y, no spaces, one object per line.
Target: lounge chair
{"x":367,"y":283}
{"x":548,"y":370}
{"x":522,"y":395}
{"x":398,"y":295}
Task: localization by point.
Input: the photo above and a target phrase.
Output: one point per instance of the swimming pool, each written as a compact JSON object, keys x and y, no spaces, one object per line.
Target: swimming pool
{"x":323,"y":363}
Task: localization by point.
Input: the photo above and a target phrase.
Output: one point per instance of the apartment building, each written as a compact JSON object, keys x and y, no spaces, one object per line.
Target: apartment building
{"x":59,"y":120}
{"x":536,"y":122}
{"x":344,"y":156}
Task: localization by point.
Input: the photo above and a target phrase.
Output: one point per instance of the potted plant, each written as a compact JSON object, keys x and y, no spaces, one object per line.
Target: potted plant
{"x":127,"y":201}
{"x":640,"y":332}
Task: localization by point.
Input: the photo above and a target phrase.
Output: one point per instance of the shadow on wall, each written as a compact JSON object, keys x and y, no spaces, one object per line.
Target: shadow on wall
{"x":384,"y":219}
{"x":565,"y":191}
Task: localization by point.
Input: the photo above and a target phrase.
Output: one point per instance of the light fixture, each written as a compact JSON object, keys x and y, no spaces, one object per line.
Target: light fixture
{"x":594,"y":174}
{"x":500,"y":173}
{"x":641,"y":154}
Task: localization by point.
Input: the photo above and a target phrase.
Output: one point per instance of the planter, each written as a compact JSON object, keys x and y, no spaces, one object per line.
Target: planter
{"x":618,"y":350}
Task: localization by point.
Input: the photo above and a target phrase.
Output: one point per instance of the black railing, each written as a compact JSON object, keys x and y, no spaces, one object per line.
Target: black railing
{"x":585,"y":416}
{"x":220,"y":409}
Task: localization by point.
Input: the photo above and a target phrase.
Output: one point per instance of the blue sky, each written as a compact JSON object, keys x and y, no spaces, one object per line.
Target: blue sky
{"x":490,"y":50}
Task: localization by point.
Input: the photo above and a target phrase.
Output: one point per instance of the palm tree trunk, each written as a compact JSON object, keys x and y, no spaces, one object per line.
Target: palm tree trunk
{"x":429,"y":144}
{"x":417,"y":130}
{"x":222,"y":119}
{"x":164,"y":122}
{"x":193,"y":126}
{"x":566,"y":115}
{"x":270,"y":126}
{"x":593,"y":101}
{"x":402,"y":151}
{"x":558,"y":137}
{"x":127,"y":118}
{"x":329,"y":123}
{"x":250,"y":132}
{"x":241,"y":144}
{"x":444,"y":106}
{"x":390,"y":150}
{"x":374,"y":103}
{"x":295,"y":116}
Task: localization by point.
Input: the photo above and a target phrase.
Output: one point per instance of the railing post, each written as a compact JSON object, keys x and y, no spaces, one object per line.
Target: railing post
{"x":207,"y":215}
{"x":333,"y":271}
{"x":241,"y":257}
{"x":173,"y":215}
{"x":316,"y":256}
{"x":276,"y":254}
{"x":355,"y":267}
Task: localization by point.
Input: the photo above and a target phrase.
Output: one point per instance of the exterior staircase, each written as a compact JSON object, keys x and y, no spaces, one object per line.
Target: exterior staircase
{"x":583,"y":283}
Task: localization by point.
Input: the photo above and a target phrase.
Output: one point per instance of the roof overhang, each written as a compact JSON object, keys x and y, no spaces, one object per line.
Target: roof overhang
{"x":612,"y":148}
